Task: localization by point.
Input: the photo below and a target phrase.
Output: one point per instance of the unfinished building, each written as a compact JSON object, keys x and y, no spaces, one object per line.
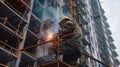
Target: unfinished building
{"x":20,"y":27}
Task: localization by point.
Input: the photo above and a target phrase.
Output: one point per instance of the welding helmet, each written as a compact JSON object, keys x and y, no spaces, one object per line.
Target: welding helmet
{"x":64,"y":18}
{"x":63,"y":21}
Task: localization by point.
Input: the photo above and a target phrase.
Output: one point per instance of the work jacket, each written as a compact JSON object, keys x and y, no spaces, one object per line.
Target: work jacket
{"x":70,"y":47}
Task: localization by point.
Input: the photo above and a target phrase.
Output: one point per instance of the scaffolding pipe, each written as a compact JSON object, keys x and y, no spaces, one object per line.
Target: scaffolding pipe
{"x":59,"y":39}
{"x":54,"y":40}
{"x":94,"y":59}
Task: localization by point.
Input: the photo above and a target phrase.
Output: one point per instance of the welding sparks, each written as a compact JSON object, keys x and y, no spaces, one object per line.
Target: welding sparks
{"x":49,"y":35}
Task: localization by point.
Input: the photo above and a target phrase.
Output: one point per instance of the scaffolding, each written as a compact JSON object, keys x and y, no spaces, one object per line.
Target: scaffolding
{"x":21,"y":23}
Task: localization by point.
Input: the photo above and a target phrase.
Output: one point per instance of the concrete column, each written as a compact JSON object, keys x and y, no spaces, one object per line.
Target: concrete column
{"x":25,"y":34}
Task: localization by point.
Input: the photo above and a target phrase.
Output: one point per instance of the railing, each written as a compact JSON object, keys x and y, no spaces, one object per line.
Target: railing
{"x":14,"y":29}
{"x":19,"y":6}
{"x":30,"y":54}
{"x":8,"y":47}
{"x":17,"y":30}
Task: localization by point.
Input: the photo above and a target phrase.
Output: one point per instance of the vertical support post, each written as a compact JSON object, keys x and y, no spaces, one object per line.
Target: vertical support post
{"x":58,"y":47}
{"x":24,"y":37}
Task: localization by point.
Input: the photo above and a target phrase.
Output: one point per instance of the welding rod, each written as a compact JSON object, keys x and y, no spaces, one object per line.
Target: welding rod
{"x":33,"y":46}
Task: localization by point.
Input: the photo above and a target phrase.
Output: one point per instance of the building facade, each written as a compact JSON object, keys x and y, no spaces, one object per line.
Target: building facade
{"x":23,"y":29}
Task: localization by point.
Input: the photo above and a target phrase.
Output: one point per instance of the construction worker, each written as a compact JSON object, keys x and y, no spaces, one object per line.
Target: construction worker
{"x":71,"y":44}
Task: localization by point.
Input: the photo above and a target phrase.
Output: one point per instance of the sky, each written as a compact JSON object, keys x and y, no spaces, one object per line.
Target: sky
{"x":112,"y":12}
